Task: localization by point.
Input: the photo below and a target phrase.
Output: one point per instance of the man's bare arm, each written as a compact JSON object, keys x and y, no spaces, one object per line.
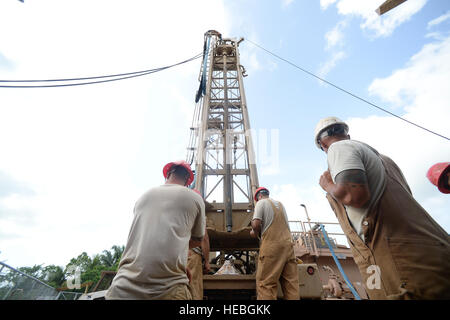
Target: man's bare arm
{"x":256,"y":228}
{"x":195,"y":242}
{"x":351,"y":187}
{"x":205,"y":251}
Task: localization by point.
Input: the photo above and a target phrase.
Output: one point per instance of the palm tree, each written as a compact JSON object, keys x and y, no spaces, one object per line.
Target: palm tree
{"x":107,"y":259}
{"x":54,"y":275}
{"x":117,"y":253}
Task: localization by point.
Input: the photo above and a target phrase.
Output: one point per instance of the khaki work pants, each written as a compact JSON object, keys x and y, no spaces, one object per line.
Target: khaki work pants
{"x":178,"y":292}
{"x":276,"y":261}
{"x":277,"y":264}
{"x":196,"y":267}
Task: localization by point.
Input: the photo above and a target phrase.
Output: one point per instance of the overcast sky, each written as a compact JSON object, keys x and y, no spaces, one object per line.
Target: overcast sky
{"x":74,"y":160}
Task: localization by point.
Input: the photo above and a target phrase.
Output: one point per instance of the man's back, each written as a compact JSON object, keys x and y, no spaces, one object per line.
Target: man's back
{"x":264,"y":212}
{"x":276,"y":260}
{"x":156,"y":253}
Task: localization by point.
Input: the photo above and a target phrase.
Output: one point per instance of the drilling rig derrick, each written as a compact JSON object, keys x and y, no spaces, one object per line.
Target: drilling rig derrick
{"x":222,"y":147}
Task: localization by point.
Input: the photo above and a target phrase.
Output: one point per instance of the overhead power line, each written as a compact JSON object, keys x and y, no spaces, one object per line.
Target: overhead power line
{"x":112,"y":77}
{"x":346,"y":91}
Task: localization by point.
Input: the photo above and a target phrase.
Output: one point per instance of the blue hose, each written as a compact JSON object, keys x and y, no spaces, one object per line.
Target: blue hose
{"x":347,"y":281}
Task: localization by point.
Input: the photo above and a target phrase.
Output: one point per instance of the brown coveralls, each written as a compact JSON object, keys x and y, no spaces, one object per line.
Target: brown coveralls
{"x":277,"y":261}
{"x":410,"y":249}
{"x":196,"y":267}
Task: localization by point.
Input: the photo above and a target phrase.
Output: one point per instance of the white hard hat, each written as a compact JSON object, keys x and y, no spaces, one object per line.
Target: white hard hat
{"x":324,"y":124}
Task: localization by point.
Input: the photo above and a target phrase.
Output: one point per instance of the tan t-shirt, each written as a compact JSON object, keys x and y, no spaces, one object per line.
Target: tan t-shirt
{"x":350,"y":154}
{"x":264,"y":212}
{"x":155,"y":256}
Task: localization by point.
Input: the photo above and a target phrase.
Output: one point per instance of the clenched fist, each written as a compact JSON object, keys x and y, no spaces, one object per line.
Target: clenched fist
{"x":325,"y":180}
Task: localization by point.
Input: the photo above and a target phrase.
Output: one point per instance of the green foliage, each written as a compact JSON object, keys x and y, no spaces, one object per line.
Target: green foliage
{"x":91,"y":268}
{"x":53,"y":275}
{"x":56,"y":276}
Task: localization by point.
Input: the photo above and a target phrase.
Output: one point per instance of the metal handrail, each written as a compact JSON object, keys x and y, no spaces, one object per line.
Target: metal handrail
{"x":57,"y":293}
{"x":309,"y":241}
{"x":26,"y":275}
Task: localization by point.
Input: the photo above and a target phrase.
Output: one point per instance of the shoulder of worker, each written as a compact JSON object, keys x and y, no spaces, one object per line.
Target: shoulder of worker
{"x":172,"y":187}
{"x":267,"y":203}
{"x":262,"y":203}
{"x":177,"y":190}
{"x":162,"y":189}
{"x":344,"y":144}
{"x":346,"y":151}
{"x":260,"y":207}
{"x":196,"y":196}
{"x":350,"y":154}
{"x":192,"y":194}
{"x":351,"y":145}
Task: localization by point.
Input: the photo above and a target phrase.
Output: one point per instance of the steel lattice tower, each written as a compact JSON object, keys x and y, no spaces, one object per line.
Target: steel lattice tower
{"x":224,"y":157}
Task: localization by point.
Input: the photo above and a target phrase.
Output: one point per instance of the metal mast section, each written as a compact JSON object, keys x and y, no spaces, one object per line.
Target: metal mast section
{"x":222,"y":146}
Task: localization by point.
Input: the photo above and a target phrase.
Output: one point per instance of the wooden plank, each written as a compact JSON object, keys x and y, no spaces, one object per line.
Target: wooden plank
{"x":388,"y":5}
{"x":235,"y":240}
{"x":229,"y":282}
{"x":237,"y":206}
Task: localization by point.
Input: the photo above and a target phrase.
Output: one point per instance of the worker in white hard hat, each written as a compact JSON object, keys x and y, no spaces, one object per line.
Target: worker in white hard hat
{"x":401,"y":252}
{"x":168,"y":220}
{"x":276,"y":260}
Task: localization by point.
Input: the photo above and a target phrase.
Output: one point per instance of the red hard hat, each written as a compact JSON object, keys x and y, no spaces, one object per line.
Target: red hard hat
{"x":437,"y":173}
{"x":182,"y":163}
{"x":258,"y":190}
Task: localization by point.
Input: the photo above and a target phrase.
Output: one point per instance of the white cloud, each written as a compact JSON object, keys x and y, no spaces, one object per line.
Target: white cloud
{"x":286,"y":3}
{"x":421,"y":90}
{"x":335,"y":37}
{"x":381,"y":26}
{"x":437,"y":35}
{"x":326,"y":67}
{"x":253,"y":61}
{"x":251,"y":57}
{"x":334,"y":43}
{"x":324,"y":4}
{"x":378,"y":26}
{"x":87,"y":153}
{"x":438,"y":20}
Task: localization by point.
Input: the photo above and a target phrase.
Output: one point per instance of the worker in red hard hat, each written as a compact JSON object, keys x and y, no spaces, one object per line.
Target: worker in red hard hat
{"x":168,"y":169}
{"x":198,"y":264}
{"x":168,"y":220}
{"x":401,"y":252}
{"x":276,"y":261}
{"x":439,"y":175}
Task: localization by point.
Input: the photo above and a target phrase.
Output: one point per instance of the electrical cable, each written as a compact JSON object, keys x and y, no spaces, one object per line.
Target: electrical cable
{"x":346,"y":91}
{"x":85,"y":78}
{"x":115,"y":77}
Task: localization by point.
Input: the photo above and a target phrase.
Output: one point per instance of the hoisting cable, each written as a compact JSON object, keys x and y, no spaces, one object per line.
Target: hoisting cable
{"x":346,"y":91}
{"x":202,"y":87}
{"x":347,"y":281}
{"x":115,"y":77}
